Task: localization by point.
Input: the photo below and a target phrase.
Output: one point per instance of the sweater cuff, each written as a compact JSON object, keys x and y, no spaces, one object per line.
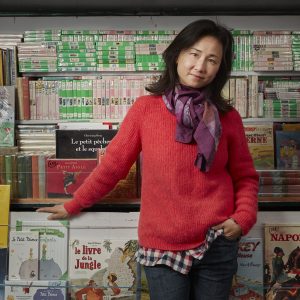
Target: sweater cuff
{"x":244,"y":223}
{"x":72,"y":207}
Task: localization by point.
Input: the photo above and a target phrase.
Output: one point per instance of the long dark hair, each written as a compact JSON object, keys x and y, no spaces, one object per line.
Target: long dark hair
{"x":186,"y":39}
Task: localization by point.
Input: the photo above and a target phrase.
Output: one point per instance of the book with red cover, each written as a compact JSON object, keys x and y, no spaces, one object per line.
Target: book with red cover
{"x":64,"y":176}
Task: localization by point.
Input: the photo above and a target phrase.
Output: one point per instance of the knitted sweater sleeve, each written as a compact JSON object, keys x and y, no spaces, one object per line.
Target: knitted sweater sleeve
{"x":120,"y":154}
{"x":244,"y":176}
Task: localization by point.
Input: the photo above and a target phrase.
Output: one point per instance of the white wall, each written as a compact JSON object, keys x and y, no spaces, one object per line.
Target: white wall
{"x":19,"y":24}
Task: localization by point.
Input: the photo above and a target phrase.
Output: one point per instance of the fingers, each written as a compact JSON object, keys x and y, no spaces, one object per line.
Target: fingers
{"x":56,"y":212}
{"x":49,"y":209}
{"x":54,"y":217}
{"x":219,"y":226}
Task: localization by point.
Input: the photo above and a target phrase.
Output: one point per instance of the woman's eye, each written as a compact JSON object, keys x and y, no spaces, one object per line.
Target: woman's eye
{"x":212,"y":61}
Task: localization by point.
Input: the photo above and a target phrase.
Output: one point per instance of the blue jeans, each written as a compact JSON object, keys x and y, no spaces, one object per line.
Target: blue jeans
{"x":208,"y":279}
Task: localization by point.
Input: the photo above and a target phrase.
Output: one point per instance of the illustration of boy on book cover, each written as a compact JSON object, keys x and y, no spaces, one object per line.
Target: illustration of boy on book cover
{"x":282,"y":262}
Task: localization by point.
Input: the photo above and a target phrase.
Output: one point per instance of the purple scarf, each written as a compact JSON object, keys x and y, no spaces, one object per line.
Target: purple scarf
{"x":197,"y":119}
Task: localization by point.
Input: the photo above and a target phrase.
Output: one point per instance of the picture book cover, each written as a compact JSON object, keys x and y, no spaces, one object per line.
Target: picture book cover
{"x":35,"y":290}
{"x":127,"y":188}
{"x":82,"y":143}
{"x":288,"y":150}
{"x":7,"y":116}
{"x":282,"y":261}
{"x":261,"y":144}
{"x":248,"y":281}
{"x":23,"y":255}
{"x":53,"y":247}
{"x":103,"y":269}
{"x":65,"y":176}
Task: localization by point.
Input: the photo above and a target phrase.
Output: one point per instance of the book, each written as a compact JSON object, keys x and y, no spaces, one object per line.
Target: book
{"x":7,"y":116}
{"x":4,"y":214}
{"x":261,"y":144}
{"x":3,"y":270}
{"x":53,"y":247}
{"x":102,"y":268}
{"x":287,"y":149}
{"x":4,"y":221}
{"x":23,"y":255}
{"x":82,"y":143}
{"x":127,"y":188}
{"x":35,"y":290}
{"x":282,"y":261}
{"x":64,"y":176}
{"x":248,"y":280}
{"x":286,"y":174}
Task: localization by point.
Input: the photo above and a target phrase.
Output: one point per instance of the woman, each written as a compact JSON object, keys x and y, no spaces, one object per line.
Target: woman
{"x":199,"y":185}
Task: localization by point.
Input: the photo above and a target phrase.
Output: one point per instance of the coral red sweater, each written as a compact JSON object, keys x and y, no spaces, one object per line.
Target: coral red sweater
{"x":178,"y":202}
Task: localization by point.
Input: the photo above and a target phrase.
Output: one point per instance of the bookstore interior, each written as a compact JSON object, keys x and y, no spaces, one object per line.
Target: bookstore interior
{"x":66,"y":83}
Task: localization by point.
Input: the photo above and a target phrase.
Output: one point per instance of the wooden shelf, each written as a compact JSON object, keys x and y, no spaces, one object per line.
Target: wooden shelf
{"x":118,"y":205}
{"x":127,"y":205}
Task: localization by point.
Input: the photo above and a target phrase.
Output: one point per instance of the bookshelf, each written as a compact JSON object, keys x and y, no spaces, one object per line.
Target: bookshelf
{"x":242,"y":22}
{"x":268,"y":206}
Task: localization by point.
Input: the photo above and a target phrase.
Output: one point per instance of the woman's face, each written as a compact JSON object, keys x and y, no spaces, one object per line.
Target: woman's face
{"x":198,"y":65}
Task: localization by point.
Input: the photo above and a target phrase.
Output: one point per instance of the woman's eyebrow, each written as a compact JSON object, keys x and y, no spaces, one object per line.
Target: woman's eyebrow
{"x":214,"y":55}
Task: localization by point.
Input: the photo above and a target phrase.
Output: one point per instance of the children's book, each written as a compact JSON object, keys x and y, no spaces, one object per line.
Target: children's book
{"x":23,"y":255}
{"x":7,"y":116}
{"x":127,"y":188}
{"x":248,"y":281}
{"x":103,"y":269}
{"x":261,"y":144}
{"x":65,"y":176}
{"x":282,"y":261}
{"x":53,"y":247}
{"x":288,"y":150}
{"x":35,"y":290}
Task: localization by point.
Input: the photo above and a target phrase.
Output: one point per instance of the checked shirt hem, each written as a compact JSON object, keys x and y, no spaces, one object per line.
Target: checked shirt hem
{"x":180,"y":261}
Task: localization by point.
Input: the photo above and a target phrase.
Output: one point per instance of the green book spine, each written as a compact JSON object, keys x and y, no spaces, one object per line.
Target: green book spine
{"x":21,"y":184}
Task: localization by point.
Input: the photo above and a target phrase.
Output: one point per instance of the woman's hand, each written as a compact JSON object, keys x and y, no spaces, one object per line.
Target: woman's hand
{"x":57,"y":212}
{"x":232,"y":230}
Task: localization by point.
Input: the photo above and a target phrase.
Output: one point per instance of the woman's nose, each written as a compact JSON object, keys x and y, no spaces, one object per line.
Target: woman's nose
{"x":200,"y":65}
